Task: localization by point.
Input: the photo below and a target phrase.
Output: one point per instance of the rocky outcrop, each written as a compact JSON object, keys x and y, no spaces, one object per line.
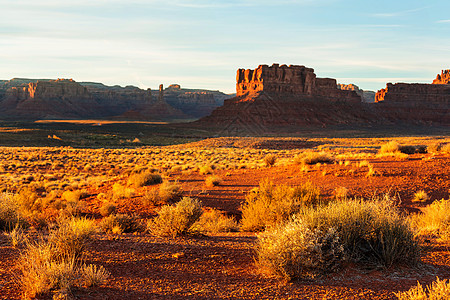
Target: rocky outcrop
{"x":282,"y":96}
{"x":292,"y":80}
{"x":367,"y":96}
{"x":415,"y":102}
{"x":443,"y":78}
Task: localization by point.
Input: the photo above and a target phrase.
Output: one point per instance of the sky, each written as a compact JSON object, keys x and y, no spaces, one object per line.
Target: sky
{"x":201,"y":44}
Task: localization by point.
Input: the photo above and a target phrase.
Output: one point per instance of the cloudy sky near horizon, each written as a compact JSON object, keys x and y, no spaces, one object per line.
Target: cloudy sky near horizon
{"x":201,"y":44}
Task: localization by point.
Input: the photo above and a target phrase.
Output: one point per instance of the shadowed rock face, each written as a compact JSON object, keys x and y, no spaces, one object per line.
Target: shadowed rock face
{"x":367,"y":96}
{"x":65,"y":98}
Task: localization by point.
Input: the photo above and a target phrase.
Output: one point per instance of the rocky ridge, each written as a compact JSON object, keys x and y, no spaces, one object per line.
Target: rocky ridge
{"x":65,"y":99}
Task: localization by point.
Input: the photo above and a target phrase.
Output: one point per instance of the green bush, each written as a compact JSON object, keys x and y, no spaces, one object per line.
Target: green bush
{"x":177,"y":219}
{"x":273,"y":204}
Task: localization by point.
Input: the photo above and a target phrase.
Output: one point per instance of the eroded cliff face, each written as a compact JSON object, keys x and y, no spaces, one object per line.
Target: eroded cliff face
{"x":367,"y":96}
{"x":416,"y":102}
{"x":443,"y":78}
{"x":292,"y":80}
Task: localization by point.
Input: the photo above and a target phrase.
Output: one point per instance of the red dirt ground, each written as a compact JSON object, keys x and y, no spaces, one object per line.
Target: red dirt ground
{"x":222,"y":266}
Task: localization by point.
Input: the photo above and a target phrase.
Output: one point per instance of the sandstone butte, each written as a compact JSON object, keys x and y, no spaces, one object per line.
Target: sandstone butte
{"x":293,"y":95}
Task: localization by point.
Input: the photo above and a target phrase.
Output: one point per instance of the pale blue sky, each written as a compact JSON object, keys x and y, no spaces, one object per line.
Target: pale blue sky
{"x":201,"y":44}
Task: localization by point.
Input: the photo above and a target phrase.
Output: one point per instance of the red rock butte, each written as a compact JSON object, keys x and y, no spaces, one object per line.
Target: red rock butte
{"x":290,"y":80}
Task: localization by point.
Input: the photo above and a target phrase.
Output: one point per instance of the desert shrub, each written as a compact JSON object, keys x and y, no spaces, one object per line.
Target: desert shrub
{"x":341,"y":193}
{"x":371,"y":232}
{"x":120,"y":223}
{"x":108,"y":209}
{"x":52,"y":265}
{"x":41,"y":273}
{"x":270,"y":160}
{"x":173,"y":220}
{"x":71,"y":237}
{"x":93,"y":275}
{"x":213,"y":180}
{"x":10,"y":214}
{"x":434,"y":148}
{"x":213,"y":221}
{"x":437,"y":290}
{"x":271,"y":204}
{"x":311,"y":158}
{"x":420,"y":196}
{"x":122,"y":192}
{"x":389,"y":147}
{"x":143,"y":179}
{"x":17,"y":236}
{"x":446,"y":148}
{"x":434,"y":219}
{"x":170,"y":192}
{"x":203,"y":170}
{"x":293,"y":250}
{"x":151,"y":198}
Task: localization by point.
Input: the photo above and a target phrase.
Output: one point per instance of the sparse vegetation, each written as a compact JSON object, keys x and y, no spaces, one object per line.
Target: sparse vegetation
{"x":272,"y":204}
{"x":120,"y":223}
{"x":270,"y":160}
{"x":434,"y":219}
{"x":213,"y":221}
{"x":311,"y":158}
{"x":437,"y":290}
{"x":143,"y":179}
{"x":177,"y":219}
{"x":213,"y":180}
{"x":420,"y":196}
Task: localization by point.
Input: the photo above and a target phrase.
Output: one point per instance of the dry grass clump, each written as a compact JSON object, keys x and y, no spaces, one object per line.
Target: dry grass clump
{"x":420,"y":196}
{"x":204,"y":170}
{"x":120,"y":223}
{"x":311,"y":158}
{"x":393,"y":149}
{"x":94,"y":275}
{"x":293,"y":250}
{"x":144,"y":179}
{"x":170,"y":192}
{"x":9,"y":212}
{"x":271,"y":204}
{"x":177,"y":219}
{"x":213,"y":221}
{"x":437,"y":290}
{"x":372,"y":232}
{"x":270,"y":160}
{"x":434,"y":219}
{"x":446,"y":148}
{"x":107,"y":209}
{"x":320,"y":239}
{"x":341,"y":193}
{"x":122,"y":192}
{"x":54,"y":265}
{"x":434,"y":148}
{"x":212,"y":181}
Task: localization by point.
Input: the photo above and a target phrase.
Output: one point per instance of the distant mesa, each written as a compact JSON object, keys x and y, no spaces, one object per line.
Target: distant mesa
{"x":290,"y":96}
{"x":24,"y":99}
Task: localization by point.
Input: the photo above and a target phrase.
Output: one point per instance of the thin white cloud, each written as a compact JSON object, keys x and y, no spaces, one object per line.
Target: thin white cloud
{"x":399,"y":13}
{"x":443,"y":21}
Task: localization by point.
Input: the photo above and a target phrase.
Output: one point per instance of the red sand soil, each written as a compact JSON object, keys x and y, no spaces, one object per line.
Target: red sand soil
{"x":222,"y":266}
